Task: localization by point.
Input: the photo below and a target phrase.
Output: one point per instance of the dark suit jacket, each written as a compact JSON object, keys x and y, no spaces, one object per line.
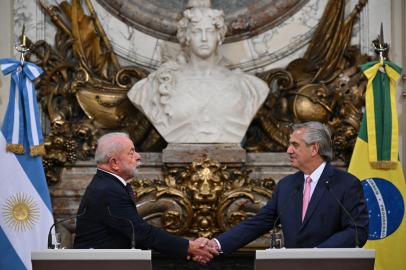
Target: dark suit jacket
{"x":325,"y":225}
{"x":98,"y":229}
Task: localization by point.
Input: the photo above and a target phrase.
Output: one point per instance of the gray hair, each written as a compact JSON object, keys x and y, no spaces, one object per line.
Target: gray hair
{"x":316,"y":132}
{"x":107,"y":146}
{"x":193,"y":15}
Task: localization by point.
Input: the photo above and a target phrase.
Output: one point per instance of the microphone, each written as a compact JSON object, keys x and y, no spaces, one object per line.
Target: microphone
{"x":50,"y":245}
{"x":129,"y":221}
{"x":345,"y":211}
{"x":284,"y":207}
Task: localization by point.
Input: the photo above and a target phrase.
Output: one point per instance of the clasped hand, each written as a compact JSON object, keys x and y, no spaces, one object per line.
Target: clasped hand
{"x":202,"y":250}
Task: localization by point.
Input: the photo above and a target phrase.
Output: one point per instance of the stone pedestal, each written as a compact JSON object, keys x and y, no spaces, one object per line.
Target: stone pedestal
{"x":228,"y":154}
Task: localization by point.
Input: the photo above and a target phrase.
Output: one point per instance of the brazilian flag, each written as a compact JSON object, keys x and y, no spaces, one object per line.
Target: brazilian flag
{"x":375,"y":161}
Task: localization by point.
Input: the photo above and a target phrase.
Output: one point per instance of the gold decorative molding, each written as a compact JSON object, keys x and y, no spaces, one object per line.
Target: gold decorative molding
{"x":83,"y":90}
{"x":83,"y":94}
{"x":202,"y":199}
{"x":325,"y":85}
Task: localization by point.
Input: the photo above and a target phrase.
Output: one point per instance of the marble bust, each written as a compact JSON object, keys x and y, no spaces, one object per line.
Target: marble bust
{"x":195,"y":98}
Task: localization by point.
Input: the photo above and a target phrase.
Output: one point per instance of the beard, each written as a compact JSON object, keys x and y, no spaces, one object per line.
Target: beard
{"x":131,"y":170}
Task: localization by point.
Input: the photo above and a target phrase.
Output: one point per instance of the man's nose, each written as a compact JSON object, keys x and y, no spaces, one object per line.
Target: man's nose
{"x":289,"y":150}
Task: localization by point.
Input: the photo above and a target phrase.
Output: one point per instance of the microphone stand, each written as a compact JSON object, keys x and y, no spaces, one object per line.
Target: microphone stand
{"x":50,"y":245}
{"x":129,"y":221}
{"x":273,"y":232}
{"x":273,"y":238}
{"x":346,"y":212}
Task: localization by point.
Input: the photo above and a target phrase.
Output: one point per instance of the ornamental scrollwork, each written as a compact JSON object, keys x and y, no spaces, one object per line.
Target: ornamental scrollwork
{"x":202,"y":199}
{"x":324,"y":85}
{"x":83,"y":90}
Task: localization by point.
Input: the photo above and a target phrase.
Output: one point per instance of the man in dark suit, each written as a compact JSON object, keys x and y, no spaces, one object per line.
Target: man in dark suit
{"x":306,"y":202}
{"x":109,"y":208}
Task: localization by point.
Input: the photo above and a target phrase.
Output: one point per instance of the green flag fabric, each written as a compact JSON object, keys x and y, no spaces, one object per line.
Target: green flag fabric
{"x":375,"y":161}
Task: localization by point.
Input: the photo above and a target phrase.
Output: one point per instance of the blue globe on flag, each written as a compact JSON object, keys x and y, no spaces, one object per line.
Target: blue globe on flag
{"x":385,"y":206}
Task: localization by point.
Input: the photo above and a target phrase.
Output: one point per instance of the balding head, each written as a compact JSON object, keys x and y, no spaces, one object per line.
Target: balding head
{"x":115,"y":153}
{"x":108,"y":145}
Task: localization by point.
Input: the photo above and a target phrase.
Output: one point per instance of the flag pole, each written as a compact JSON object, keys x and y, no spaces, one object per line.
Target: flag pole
{"x":381,"y":48}
{"x":22,"y":48}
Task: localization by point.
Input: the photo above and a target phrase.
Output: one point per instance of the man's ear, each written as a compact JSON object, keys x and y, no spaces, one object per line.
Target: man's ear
{"x":315,"y":149}
{"x":113,"y":164}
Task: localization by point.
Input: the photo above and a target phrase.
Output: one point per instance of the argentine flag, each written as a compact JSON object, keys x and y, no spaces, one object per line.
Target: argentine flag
{"x":25,"y":206}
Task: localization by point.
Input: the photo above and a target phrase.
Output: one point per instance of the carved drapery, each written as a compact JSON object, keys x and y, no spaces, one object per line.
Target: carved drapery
{"x":325,"y":85}
{"x":83,"y":91}
{"x":83,"y":95}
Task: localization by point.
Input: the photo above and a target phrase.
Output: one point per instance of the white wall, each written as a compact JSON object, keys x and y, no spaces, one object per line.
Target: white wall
{"x":6,"y":49}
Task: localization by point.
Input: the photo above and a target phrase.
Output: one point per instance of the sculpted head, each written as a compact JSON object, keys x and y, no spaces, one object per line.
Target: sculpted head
{"x":201,"y":28}
{"x":194,"y":97}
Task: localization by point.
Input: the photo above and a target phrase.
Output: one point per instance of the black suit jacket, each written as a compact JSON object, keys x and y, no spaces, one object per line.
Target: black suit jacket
{"x":98,"y":229}
{"x":325,"y":224}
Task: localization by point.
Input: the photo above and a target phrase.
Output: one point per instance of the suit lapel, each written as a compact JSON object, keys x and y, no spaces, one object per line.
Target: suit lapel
{"x":118,"y":182}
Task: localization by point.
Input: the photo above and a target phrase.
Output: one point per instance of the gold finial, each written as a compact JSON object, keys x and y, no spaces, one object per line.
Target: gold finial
{"x":23,"y":38}
{"x":381,"y":48}
{"x":22,"y":48}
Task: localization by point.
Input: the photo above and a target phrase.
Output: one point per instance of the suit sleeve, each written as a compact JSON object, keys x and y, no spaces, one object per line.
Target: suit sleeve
{"x":354,"y":201}
{"x":146,"y":235}
{"x":250,"y":229}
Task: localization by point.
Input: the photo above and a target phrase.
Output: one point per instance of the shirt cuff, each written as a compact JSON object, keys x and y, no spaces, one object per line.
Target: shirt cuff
{"x":218,"y":244}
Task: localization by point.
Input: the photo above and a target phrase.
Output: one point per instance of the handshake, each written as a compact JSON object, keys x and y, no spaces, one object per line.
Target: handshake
{"x":202,"y":250}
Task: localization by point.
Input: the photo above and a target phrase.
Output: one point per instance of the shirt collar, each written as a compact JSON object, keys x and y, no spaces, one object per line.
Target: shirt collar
{"x":315,"y":175}
{"x":116,"y":176}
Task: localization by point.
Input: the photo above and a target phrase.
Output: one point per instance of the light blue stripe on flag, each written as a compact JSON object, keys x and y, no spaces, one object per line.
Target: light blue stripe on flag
{"x":30,"y":165}
{"x":22,"y":106}
{"x":9,"y":257}
{"x":25,"y":207}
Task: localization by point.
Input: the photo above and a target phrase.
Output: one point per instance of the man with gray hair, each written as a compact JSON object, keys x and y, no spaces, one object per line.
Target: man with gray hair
{"x":318,"y":206}
{"x":110,"y":218}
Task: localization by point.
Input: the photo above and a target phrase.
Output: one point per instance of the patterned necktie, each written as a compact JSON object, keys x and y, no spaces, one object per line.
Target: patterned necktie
{"x":130,"y":192}
{"x":306,"y":196}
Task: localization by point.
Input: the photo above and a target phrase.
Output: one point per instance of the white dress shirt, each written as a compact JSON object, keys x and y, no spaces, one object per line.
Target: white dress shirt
{"x":315,"y":176}
{"x":116,"y":176}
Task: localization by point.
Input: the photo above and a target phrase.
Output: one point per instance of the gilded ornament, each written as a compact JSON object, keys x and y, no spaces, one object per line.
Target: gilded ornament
{"x":83,"y":94}
{"x":202,"y":199}
{"x":83,"y":90}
